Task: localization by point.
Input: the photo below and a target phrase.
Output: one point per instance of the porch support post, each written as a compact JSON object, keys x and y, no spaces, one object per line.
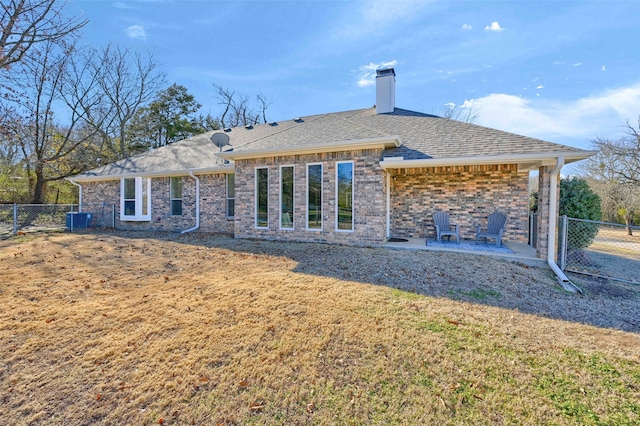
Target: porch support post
{"x":544,"y":190}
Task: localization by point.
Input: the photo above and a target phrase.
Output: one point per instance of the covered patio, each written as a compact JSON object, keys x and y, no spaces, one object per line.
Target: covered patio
{"x":513,"y":251}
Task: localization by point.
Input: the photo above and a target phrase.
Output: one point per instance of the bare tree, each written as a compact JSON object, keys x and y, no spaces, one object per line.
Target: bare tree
{"x":27,"y":23}
{"x":460,"y":113}
{"x":130,"y":80}
{"x":620,"y":159}
{"x":237,"y":111}
{"x":615,"y":172}
{"x":57,"y":81}
{"x":264,"y":104}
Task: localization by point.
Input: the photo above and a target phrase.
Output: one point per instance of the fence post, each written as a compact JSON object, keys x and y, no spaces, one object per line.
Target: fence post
{"x":15,"y":219}
{"x":565,"y":239}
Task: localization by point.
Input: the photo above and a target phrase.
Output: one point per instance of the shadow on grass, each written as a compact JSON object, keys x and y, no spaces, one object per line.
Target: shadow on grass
{"x":461,"y":277}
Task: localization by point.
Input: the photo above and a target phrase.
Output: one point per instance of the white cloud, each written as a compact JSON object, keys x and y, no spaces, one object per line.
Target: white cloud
{"x":540,"y":87}
{"x":375,"y":18}
{"x":603,"y":114}
{"x":122,"y":5}
{"x":604,"y":68}
{"x":467,"y":27}
{"x":467,"y":104}
{"x":495,"y":26}
{"x":577,"y":64}
{"x":136,"y":31}
{"x":367,"y":73}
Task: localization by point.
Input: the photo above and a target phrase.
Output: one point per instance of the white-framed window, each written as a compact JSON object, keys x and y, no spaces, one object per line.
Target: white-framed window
{"x":262,"y":197}
{"x":231,"y":195}
{"x":135,"y":199}
{"x":286,"y":197}
{"x":314,"y":196}
{"x":344,"y":196}
{"x":175,"y":195}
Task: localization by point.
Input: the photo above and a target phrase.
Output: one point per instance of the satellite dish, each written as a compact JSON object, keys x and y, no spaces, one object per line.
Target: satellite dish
{"x":220,"y":140}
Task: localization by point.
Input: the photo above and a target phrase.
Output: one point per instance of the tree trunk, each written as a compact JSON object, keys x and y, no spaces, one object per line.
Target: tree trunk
{"x":628,"y":220}
{"x":38,"y":190}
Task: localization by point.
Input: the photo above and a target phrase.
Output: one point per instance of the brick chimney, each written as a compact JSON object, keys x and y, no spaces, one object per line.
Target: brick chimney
{"x":385,"y":90}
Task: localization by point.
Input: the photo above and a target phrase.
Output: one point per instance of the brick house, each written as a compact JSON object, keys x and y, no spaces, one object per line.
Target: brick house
{"x":352,"y":177}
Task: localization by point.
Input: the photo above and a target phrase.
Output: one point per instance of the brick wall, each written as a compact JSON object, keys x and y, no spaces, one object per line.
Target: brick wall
{"x":468,"y":193}
{"x":368,"y":202}
{"x":544,"y":191}
{"x":212,"y":204}
{"x":213,"y":201}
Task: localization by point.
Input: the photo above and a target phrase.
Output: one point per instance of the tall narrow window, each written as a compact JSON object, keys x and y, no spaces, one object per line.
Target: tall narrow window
{"x":129,"y":196}
{"x":176,"y":196}
{"x":135,"y":199}
{"x":286,"y":197}
{"x":262,"y":197}
{"x":231,"y":194}
{"x":344,"y":196}
{"x":314,"y":196}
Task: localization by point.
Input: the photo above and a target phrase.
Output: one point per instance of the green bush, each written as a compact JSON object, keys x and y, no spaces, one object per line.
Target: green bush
{"x":578,"y":201}
{"x":533,"y":201}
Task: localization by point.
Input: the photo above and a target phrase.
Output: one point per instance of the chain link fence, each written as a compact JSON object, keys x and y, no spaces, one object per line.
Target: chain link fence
{"x":22,"y":218}
{"x":533,"y":230}
{"x":599,"y":249}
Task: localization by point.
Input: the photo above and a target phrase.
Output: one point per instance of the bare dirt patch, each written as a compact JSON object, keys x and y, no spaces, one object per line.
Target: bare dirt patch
{"x":133,"y":328}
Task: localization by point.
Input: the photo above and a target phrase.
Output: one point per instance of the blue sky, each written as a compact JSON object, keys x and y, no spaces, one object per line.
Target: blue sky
{"x":558,"y":70}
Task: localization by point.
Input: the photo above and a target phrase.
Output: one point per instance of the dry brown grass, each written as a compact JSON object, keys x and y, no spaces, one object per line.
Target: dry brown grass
{"x":123,"y":328}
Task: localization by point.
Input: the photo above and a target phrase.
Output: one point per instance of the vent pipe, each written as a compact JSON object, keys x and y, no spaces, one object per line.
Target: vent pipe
{"x":385,"y":90}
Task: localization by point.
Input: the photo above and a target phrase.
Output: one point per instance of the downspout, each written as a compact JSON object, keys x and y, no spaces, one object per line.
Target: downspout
{"x":197,"y":204}
{"x":79,"y":193}
{"x":553,"y":217}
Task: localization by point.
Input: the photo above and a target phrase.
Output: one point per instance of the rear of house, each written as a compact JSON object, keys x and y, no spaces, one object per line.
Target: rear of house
{"x":352,"y":177}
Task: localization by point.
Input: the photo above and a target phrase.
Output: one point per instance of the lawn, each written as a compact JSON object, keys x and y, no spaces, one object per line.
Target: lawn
{"x":134,"y":328}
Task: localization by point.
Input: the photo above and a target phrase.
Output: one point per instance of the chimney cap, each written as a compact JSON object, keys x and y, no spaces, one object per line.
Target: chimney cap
{"x":385,"y":71}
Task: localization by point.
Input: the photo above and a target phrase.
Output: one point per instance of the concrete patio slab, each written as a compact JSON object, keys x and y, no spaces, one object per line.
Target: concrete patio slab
{"x":522,"y":253}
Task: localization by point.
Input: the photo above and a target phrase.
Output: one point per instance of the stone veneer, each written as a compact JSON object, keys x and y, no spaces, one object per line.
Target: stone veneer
{"x":212,"y":204}
{"x":468,"y":193}
{"x":369,"y":198}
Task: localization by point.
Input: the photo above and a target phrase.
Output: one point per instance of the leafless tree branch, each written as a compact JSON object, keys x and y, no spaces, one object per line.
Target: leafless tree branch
{"x":26,"y":23}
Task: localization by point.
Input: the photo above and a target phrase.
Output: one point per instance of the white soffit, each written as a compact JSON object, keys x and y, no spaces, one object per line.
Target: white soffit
{"x":524,"y":161}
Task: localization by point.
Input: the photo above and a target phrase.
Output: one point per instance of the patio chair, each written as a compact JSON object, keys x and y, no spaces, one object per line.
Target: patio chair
{"x":443,"y":228}
{"x":495,"y":228}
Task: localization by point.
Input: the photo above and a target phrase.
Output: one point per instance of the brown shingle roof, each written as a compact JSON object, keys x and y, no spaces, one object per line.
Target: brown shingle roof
{"x":423,"y":136}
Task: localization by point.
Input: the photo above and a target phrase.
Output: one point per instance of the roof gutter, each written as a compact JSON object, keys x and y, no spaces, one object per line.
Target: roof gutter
{"x":392,"y":141}
{"x":544,"y":158}
{"x":197,"y":204}
{"x":73,"y":182}
{"x":553,"y":217}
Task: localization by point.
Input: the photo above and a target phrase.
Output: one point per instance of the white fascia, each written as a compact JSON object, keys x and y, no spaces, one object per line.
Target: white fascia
{"x":186,"y":172}
{"x":525,"y":161}
{"x":345,"y":145}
